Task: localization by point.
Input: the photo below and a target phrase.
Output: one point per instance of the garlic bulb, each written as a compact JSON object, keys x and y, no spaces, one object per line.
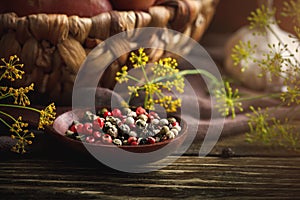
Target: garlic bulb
{"x":250,"y":76}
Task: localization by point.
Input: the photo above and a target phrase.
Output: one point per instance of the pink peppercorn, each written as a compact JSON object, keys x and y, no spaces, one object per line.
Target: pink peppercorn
{"x":106,"y":114}
{"x":131,"y":140}
{"x":154,"y":114}
{"x":150,"y":118}
{"x":87,"y":128}
{"x":116,"y":113}
{"x":151,"y":140}
{"x":98,"y":123}
{"x":132,"y":126}
{"x":135,"y":143}
{"x":140,"y":110}
{"x":79,"y":128}
{"x":175,"y":124}
{"x":97,"y":134}
{"x":73,"y":128}
{"x":106,"y":139}
{"x":90,"y":139}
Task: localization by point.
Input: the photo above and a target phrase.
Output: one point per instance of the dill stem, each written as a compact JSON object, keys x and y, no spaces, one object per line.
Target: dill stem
{"x":9,"y":126}
{"x":188,"y":72}
{"x":260,"y":96}
{"x":8,"y":115}
{"x":134,"y":79}
{"x":2,"y":75}
{"x":22,"y":107}
{"x":145,"y":74}
{"x":5,"y":96}
{"x":5,"y":123}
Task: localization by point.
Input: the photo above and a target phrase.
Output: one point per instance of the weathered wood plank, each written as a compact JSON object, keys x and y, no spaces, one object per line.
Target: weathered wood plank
{"x":188,"y":177}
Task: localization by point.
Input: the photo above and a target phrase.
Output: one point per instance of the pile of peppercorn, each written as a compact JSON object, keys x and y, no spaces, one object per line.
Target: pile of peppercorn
{"x":126,"y":127}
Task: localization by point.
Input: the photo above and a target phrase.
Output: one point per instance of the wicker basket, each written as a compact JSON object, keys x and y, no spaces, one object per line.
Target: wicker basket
{"x":53,"y":46}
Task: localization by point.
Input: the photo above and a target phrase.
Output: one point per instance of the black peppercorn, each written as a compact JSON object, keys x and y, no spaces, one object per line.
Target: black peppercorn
{"x":227,"y":152}
{"x":143,"y":141}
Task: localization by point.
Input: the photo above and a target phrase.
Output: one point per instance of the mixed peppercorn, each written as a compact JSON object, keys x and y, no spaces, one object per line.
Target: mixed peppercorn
{"x":126,"y":127}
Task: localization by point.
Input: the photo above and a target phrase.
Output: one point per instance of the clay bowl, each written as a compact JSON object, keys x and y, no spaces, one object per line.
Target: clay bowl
{"x":63,"y":122}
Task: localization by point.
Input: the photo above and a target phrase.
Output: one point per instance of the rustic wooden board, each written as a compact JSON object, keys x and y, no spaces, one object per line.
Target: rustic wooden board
{"x":189,"y":177}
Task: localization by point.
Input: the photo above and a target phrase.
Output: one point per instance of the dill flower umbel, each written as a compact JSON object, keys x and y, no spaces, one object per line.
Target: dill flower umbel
{"x":261,"y":19}
{"x":20,"y":94}
{"x":228,"y":101}
{"x":11,"y":71}
{"x":47,"y":116}
{"x":122,"y":76}
{"x":140,"y":59}
{"x":242,"y":53}
{"x":160,"y":81}
{"x":165,"y":76}
{"x":276,"y":60}
{"x":22,"y":135}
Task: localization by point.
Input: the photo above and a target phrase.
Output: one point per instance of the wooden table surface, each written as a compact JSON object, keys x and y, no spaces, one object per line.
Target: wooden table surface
{"x":189,"y":177}
{"x":255,"y":171}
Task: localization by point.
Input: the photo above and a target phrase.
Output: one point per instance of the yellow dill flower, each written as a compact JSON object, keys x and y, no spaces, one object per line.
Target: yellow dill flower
{"x":22,"y":142}
{"x":165,"y":67}
{"x":47,"y":116}
{"x":271,"y":131}
{"x":292,"y":95}
{"x":139,"y":59}
{"x":173,"y":105}
{"x":243,"y":53}
{"x":258,"y":123}
{"x":122,"y":76}
{"x":11,"y":69}
{"x":151,"y":88}
{"x":18,"y":125}
{"x":21,"y":134}
{"x":20,"y":96}
{"x":228,"y":101}
{"x":150,"y":104}
{"x":170,"y":104}
{"x":133,"y":90}
{"x":261,"y":19}
{"x":277,"y":57}
{"x":3,"y":91}
{"x":164,"y":75}
{"x":177,"y":82}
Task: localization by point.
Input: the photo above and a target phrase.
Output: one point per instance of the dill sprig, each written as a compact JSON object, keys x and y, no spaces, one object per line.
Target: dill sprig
{"x":164,"y":76}
{"x":280,"y":61}
{"x":12,"y":70}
